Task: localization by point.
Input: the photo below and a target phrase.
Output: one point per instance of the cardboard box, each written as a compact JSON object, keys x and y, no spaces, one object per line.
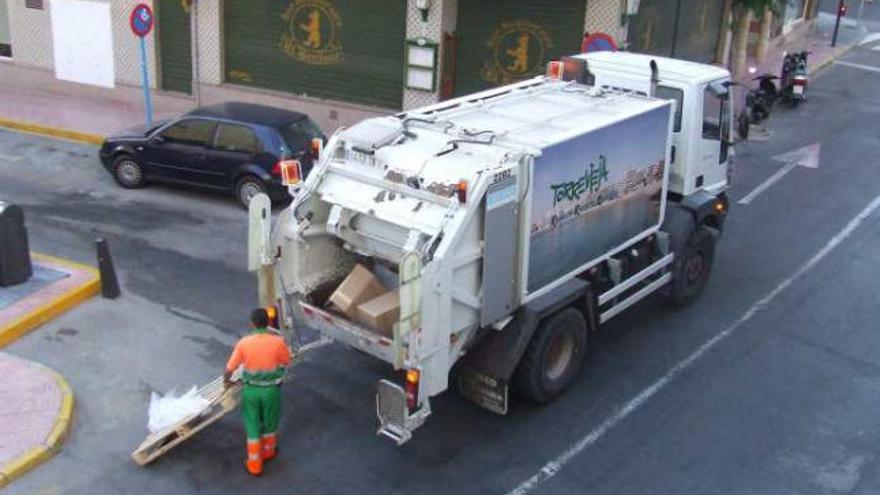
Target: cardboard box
{"x":360,"y":285}
{"x":381,"y":313}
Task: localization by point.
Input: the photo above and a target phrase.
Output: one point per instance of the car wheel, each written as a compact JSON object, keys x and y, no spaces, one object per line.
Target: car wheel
{"x":127,"y":172}
{"x":246,"y":188}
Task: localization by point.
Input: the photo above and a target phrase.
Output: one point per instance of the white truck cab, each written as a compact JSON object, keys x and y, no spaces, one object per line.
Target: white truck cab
{"x":701,"y":148}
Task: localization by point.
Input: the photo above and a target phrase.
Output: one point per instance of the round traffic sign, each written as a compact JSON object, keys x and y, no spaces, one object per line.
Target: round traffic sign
{"x":598,"y":42}
{"x":141,"y":20}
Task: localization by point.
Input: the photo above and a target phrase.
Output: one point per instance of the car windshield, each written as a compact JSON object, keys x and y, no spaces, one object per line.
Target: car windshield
{"x":297,"y":135}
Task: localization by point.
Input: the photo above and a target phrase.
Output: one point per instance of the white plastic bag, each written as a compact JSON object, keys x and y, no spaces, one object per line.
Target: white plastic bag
{"x":167,"y":410}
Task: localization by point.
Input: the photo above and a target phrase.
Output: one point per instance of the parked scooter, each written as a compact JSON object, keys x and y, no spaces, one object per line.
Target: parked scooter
{"x":760,"y":101}
{"x":794,"y":79}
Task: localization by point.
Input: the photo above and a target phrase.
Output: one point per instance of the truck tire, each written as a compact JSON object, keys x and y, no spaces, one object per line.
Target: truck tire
{"x":553,"y":358}
{"x":691,"y":270}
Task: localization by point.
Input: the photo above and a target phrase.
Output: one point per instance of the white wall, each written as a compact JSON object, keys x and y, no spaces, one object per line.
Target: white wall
{"x":82,"y":38}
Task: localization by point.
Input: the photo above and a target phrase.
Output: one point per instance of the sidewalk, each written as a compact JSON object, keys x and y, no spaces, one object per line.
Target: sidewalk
{"x":35,"y":97}
{"x":36,"y":405}
{"x":815,"y":39}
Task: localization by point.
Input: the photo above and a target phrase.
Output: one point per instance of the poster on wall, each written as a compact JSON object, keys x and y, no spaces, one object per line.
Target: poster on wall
{"x":594,"y":192}
{"x":82,"y":42}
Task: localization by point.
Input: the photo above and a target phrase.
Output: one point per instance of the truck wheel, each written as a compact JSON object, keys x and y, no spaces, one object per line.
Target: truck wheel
{"x":553,"y":358}
{"x":691,"y":271}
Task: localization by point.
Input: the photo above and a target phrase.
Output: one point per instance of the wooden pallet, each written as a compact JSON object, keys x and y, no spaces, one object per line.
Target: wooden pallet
{"x":221,"y":401}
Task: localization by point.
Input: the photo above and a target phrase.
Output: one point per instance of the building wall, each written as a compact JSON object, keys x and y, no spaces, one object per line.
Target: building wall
{"x":441,"y":18}
{"x":603,"y":16}
{"x":210,"y":41}
{"x":126,"y":46}
{"x":31,"y":31}
{"x":32,"y":39}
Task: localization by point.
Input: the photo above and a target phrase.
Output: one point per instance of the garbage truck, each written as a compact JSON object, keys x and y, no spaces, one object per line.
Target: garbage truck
{"x":480,"y":242}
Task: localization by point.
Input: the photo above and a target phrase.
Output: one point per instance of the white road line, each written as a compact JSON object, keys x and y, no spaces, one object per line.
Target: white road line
{"x":869,"y":68}
{"x":9,"y":158}
{"x":869,"y":39}
{"x":553,"y":467}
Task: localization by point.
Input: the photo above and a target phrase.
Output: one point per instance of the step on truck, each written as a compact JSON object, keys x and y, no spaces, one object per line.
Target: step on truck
{"x":479,"y":243}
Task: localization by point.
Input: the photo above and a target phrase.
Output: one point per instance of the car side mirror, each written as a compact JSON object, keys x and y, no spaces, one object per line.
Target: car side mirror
{"x":157,"y":139}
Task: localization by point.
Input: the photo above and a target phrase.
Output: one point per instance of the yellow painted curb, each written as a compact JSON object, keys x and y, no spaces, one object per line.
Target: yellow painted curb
{"x":53,"y":308}
{"x":51,"y":445}
{"x":58,"y":132}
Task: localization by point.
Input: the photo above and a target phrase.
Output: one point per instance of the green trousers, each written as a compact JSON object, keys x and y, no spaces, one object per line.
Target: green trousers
{"x":261,"y":409}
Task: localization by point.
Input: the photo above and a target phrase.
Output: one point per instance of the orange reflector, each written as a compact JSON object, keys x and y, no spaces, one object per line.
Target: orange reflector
{"x":291,"y":172}
{"x":412,"y":388}
{"x":555,"y":69}
{"x":461,"y":190}
{"x":317,"y":147}
{"x":272,"y":312}
{"x":412,"y":376}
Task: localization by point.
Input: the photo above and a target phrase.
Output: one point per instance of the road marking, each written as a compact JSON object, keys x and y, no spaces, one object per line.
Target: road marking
{"x":808,"y":156}
{"x":553,"y":467}
{"x":870,"y":39}
{"x":869,"y":68}
{"x":10,"y":158}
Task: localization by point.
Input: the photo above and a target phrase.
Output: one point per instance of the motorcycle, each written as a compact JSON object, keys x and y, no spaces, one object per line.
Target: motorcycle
{"x":794,"y":80}
{"x":761,"y":100}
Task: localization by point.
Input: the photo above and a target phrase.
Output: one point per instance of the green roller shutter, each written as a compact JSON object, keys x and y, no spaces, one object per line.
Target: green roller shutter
{"x":338,"y":49}
{"x":174,"y":36}
{"x":503,"y":41}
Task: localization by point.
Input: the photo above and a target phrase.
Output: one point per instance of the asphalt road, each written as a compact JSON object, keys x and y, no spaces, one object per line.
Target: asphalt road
{"x":784,"y":402}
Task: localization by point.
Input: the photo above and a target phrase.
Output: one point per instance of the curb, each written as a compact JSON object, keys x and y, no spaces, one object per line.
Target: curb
{"x":55,"y":307}
{"x":52,"y":444}
{"x":57,"y":132}
{"x":840,"y":51}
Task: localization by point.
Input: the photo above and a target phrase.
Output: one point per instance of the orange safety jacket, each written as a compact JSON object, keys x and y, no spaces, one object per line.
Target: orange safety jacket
{"x":264,"y":355}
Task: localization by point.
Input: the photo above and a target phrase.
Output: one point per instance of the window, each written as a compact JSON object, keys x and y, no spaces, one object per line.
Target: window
{"x":195,"y":132}
{"x":668,"y":93}
{"x":236,"y":138}
{"x":712,"y":112}
{"x":297,"y":135}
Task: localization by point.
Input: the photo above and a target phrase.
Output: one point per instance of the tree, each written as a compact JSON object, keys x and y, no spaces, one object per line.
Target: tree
{"x":742,"y":13}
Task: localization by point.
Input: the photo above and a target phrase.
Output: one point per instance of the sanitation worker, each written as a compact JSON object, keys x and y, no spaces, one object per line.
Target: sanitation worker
{"x":265,"y":357}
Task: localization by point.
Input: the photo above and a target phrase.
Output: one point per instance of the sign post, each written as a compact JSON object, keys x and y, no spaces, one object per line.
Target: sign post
{"x":141,"y":22}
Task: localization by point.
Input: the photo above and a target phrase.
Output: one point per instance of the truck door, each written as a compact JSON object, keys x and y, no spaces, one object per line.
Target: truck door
{"x":715,"y":138}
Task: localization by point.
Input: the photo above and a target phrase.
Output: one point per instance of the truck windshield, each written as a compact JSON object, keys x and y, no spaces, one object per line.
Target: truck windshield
{"x":297,"y":135}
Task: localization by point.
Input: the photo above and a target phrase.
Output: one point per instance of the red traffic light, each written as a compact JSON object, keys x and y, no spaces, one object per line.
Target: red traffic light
{"x":843,"y":8}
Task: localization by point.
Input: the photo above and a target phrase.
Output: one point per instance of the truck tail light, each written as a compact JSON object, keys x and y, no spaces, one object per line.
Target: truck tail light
{"x":461,"y":191}
{"x":555,"y":69}
{"x":317,"y":147}
{"x":272,"y":312}
{"x":412,"y":388}
{"x":290,"y":171}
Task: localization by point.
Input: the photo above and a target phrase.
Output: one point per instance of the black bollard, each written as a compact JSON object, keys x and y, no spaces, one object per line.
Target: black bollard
{"x":109,"y":283}
{"x":15,"y":256}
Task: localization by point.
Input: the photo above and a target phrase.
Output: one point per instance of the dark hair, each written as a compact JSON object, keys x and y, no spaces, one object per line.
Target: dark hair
{"x":260,"y":318}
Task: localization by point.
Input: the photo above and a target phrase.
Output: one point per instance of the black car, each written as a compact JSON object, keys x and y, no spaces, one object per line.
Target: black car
{"x":231,"y":146}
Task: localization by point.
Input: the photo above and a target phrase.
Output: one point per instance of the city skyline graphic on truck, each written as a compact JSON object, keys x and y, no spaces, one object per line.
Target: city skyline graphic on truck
{"x":594,"y":192}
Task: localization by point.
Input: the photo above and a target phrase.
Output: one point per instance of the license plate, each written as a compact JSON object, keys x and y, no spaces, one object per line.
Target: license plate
{"x":798,"y":90}
{"x":364,"y":159}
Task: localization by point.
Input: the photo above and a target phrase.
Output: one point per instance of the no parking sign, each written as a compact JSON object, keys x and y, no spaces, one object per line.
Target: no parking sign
{"x":598,"y":42}
{"x":141,"y":20}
